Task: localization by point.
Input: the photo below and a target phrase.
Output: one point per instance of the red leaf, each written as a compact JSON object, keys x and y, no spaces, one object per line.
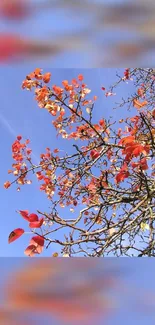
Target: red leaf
{"x":19,"y":137}
{"x":30,"y":250}
{"x":102,"y":123}
{"x":138,"y":150}
{"x":94,"y":154}
{"x":15,"y":234}
{"x":103,"y":88}
{"x":146,"y":149}
{"x":36,"y":224}
{"x":37,"y":240}
{"x":33,"y":217}
{"x":121,"y":176}
{"x":56,"y":150}
{"x":80,"y":77}
{"x":24,"y":214}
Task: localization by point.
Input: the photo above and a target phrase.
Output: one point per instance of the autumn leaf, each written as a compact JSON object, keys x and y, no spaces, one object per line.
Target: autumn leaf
{"x":19,"y":137}
{"x":35,"y":247}
{"x":127,"y":140}
{"x":24,"y":214}
{"x":94,"y":154}
{"x":37,"y":240}
{"x":30,"y":250}
{"x":80,"y":77}
{"x":121,"y":176}
{"x":138,"y":104}
{"x":47,"y":77}
{"x":36,"y":224}
{"x":33,"y":217}
{"x":15,"y":234}
{"x":102,"y":123}
{"x":7,"y":184}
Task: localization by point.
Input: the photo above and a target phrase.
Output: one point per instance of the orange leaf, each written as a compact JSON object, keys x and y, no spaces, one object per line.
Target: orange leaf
{"x":15,"y":234}
{"x":7,"y":184}
{"x":128,"y":139}
{"x":38,"y":74}
{"x":65,"y":83}
{"x":138,"y":104}
{"x":47,"y":77}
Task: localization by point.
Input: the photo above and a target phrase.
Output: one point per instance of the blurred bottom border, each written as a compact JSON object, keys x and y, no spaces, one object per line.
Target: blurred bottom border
{"x":77,"y":290}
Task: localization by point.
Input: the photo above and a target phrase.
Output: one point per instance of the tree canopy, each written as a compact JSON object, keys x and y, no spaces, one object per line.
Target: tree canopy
{"x":109,"y":171}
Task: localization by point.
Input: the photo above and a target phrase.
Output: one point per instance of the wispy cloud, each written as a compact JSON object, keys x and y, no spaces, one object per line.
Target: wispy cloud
{"x":13,"y":132}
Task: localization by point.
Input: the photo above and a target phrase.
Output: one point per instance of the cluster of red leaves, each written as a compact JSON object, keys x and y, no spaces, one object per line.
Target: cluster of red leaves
{"x":33,"y":219}
{"x":35,"y":246}
{"x":85,"y":132}
{"x":127,"y":74}
{"x":132,"y":148}
{"x":19,"y":153}
{"x":37,"y":242}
